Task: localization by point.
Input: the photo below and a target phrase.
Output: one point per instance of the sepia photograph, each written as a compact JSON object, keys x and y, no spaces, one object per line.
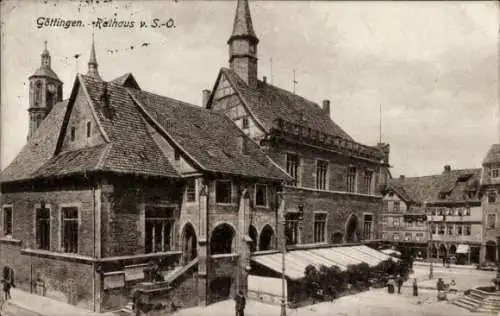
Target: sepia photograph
{"x":249,"y":157}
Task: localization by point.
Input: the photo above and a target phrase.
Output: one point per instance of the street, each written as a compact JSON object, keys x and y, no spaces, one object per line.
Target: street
{"x":375,"y":302}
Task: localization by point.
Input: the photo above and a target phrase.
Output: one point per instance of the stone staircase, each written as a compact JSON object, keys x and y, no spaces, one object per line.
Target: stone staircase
{"x":479,"y":301}
{"x":169,"y":277}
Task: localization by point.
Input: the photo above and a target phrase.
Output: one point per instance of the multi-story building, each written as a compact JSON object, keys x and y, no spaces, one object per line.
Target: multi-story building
{"x":453,"y":205}
{"x":490,"y":188}
{"x":403,"y":221}
{"x":116,"y":177}
{"x":334,"y":195}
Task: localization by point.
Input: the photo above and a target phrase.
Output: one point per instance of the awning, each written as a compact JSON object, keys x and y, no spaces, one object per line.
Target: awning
{"x":463,"y":249}
{"x":391,"y":252}
{"x":297,"y":261}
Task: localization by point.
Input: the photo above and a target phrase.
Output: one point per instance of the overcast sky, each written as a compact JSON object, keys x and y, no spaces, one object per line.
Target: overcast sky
{"x":432,"y":66}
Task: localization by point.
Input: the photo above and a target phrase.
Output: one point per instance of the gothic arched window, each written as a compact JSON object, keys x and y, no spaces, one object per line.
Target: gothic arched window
{"x":38,"y":92}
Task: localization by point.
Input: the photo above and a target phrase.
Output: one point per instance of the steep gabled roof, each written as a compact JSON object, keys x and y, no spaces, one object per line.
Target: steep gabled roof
{"x":73,"y":162}
{"x":39,"y":148}
{"x":129,"y":147}
{"x":455,"y":184}
{"x":269,"y":103}
{"x":493,"y":155}
{"x":133,"y":149}
{"x":127,"y":80}
{"x":209,"y":139}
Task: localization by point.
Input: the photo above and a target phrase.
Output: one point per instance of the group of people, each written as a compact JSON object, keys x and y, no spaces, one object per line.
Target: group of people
{"x":398,"y":282}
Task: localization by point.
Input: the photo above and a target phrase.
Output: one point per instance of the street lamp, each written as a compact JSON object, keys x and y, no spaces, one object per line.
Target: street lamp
{"x":429,"y":231}
{"x":283,"y":250}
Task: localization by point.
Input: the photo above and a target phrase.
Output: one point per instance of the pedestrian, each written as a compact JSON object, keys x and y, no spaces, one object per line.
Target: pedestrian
{"x":390,"y":286}
{"x":6,"y":289}
{"x":399,"y":283}
{"x":444,"y":261}
{"x":240,"y":304}
{"x":415,"y":287}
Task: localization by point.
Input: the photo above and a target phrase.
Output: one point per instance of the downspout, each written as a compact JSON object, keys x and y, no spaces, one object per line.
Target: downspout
{"x":93,"y":261}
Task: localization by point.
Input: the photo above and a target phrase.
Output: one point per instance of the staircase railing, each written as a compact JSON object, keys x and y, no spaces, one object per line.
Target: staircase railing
{"x":176,"y":274}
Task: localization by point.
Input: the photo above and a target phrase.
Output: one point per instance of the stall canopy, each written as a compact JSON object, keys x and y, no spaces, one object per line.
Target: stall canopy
{"x":463,"y":249}
{"x":391,"y":252}
{"x":297,"y":261}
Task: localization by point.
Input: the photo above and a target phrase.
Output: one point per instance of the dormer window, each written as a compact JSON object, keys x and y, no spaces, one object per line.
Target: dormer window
{"x":495,"y":173}
{"x":492,"y":197}
{"x":89,"y":131}
{"x":73,"y":133}
{"x":244,"y":122}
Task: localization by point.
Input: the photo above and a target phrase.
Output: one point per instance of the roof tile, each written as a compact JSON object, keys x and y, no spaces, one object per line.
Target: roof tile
{"x":269,"y":103}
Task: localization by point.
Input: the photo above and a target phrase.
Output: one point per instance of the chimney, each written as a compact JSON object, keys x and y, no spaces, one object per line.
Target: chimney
{"x":447,"y":168}
{"x":401,"y":177}
{"x":205,"y":96}
{"x":326,"y":107}
{"x":264,"y":79}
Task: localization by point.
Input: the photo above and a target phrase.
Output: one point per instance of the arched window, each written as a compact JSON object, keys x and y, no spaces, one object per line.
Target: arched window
{"x":492,"y":197}
{"x":38,"y":93}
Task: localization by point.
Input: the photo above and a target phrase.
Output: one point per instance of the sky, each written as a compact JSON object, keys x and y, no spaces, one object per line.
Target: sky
{"x":432,"y":67}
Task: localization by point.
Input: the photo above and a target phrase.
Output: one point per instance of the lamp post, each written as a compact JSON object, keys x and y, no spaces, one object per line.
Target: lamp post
{"x":429,"y":251}
{"x":283,"y":278}
{"x":283,"y":250}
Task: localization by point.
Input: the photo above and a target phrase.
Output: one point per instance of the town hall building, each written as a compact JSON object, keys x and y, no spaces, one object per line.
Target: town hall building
{"x":116,"y":181}
{"x":334,"y":194}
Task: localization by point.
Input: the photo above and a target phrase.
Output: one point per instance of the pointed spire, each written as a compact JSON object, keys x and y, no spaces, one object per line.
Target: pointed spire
{"x":45,"y":56}
{"x":93,"y":65}
{"x":242,"y":26}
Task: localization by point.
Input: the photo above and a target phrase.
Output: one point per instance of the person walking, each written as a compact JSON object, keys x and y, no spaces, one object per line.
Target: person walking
{"x":415,"y":287}
{"x":6,"y":289}
{"x":240,"y":303}
{"x":399,"y":283}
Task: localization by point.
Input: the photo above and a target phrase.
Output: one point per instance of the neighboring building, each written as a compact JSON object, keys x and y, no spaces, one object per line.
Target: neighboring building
{"x":116,"y":177}
{"x":44,"y":92}
{"x":334,"y":196}
{"x":452,"y":202}
{"x":403,"y":220}
{"x":490,"y":188}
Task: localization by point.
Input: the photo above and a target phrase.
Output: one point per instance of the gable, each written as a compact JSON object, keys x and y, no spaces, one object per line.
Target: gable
{"x":176,"y":160}
{"x":269,"y":103}
{"x":80,"y":117}
{"x":226,"y":100}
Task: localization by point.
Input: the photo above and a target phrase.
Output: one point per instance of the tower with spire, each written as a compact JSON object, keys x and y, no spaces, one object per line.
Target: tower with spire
{"x":243,"y":45}
{"x":45,"y":90}
{"x":93,"y":70}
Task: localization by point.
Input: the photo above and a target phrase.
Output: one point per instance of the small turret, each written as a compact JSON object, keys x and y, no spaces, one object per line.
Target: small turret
{"x":93,"y":70}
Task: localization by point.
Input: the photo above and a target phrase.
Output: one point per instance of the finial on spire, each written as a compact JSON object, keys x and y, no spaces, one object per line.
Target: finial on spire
{"x":93,"y":65}
{"x":242,"y":26}
{"x":45,"y":55}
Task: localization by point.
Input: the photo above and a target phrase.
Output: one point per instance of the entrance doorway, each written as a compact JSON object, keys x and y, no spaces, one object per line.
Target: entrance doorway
{"x":221,"y":240}
{"x":189,"y":247}
{"x":266,"y":238}
{"x":352,"y":229}
{"x":220,"y":289}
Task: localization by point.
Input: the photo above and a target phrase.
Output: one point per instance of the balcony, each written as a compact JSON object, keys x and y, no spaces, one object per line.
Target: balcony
{"x":457,"y":238}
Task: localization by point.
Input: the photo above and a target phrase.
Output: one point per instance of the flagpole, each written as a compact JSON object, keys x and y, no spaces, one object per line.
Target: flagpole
{"x":380,"y":124}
